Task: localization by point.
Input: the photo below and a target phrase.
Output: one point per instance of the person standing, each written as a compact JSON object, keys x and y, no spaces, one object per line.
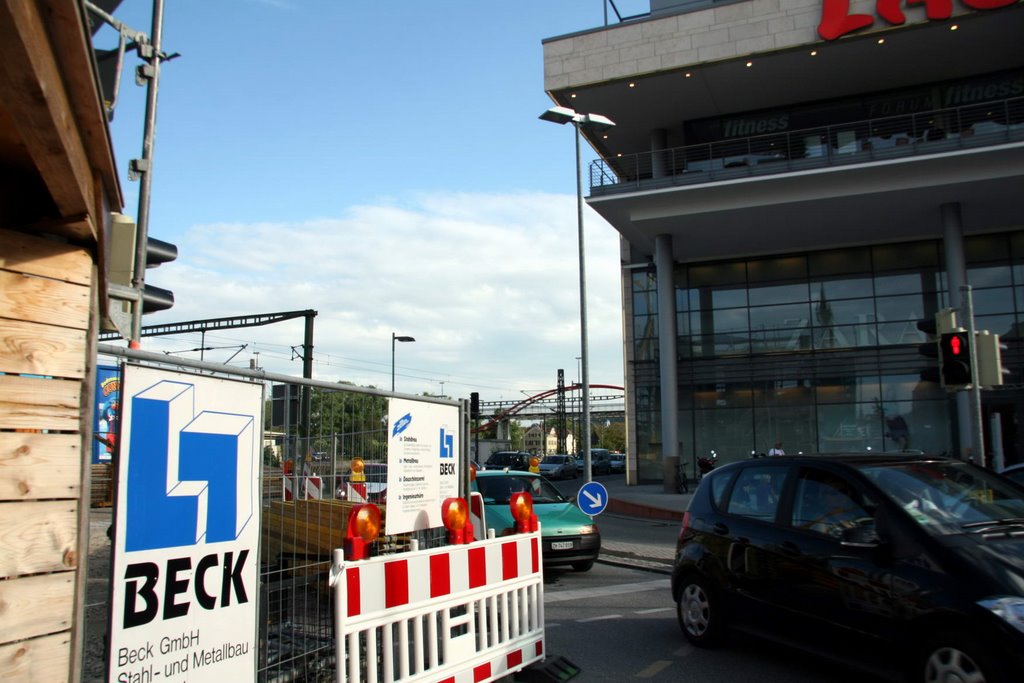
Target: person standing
{"x":776,"y":449}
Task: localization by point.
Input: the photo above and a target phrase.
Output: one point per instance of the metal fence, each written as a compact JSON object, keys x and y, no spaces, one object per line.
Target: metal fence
{"x":312,"y":432}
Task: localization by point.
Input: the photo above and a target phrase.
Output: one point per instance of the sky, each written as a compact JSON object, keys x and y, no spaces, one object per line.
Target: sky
{"x":383,"y":164}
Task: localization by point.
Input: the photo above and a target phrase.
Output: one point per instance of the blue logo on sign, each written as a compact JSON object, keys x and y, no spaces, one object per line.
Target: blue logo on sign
{"x":447,"y":444}
{"x":189,"y":476}
{"x":402,"y":424}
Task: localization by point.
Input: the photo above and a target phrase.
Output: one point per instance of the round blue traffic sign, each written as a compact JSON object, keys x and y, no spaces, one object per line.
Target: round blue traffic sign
{"x":592,"y":498}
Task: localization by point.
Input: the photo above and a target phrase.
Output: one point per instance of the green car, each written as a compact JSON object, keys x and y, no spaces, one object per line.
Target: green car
{"x":568,"y":537}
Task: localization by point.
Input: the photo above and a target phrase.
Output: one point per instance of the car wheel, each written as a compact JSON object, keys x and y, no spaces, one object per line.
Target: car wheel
{"x":956,"y":656}
{"x":700,"y":614}
{"x":582,"y":566}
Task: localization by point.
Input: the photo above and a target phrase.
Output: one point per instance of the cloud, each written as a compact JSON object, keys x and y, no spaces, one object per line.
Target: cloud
{"x":488,"y":284}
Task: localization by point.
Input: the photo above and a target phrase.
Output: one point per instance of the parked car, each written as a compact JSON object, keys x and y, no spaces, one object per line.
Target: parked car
{"x":1015,"y":472}
{"x":902,"y":562}
{"x":600,"y":461}
{"x":513,"y":460}
{"x":558,"y":467}
{"x":618,"y":462}
{"x":568,"y":537}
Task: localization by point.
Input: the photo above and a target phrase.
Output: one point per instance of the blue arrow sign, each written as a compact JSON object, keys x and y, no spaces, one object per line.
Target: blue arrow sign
{"x":592,"y":498}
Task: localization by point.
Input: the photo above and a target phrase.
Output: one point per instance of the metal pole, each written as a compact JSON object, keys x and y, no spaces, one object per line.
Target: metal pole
{"x":392,"y":361}
{"x":145,"y":165}
{"x":977,"y":436}
{"x":584,"y":354}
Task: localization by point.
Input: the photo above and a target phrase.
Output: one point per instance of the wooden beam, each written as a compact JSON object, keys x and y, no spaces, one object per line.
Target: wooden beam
{"x":33,"y":91}
{"x":38,"y":537}
{"x":36,"y":403}
{"x":36,"y":605}
{"x":40,"y":660}
{"x":35,"y":466}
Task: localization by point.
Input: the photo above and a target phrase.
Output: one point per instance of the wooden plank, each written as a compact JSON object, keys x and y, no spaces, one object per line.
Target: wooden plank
{"x":36,"y":255}
{"x":40,"y":660}
{"x":32,"y":89}
{"x":37,"y":349}
{"x":34,"y":466}
{"x":36,"y":605}
{"x":34,"y":403}
{"x":38,"y":537}
{"x":41,"y":300}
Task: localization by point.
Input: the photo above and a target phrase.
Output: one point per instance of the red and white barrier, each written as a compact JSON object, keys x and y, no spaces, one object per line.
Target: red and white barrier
{"x":458,"y":614}
{"x":312,"y":487}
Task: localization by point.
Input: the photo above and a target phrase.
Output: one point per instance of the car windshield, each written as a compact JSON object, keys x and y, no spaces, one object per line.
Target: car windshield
{"x":950,"y":497}
{"x":500,"y":489}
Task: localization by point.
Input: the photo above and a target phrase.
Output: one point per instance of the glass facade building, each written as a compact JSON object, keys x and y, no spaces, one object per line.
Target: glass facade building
{"x":818,"y":350}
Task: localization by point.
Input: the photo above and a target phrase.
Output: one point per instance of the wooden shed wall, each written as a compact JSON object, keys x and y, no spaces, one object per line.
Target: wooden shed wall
{"x":46,"y":304}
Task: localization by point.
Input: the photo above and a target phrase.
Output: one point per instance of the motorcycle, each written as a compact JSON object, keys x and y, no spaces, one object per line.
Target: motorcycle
{"x":706,"y":464}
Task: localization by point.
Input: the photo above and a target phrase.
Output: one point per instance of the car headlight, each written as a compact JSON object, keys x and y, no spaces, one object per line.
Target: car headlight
{"x":588,"y":529}
{"x":1009,"y":609}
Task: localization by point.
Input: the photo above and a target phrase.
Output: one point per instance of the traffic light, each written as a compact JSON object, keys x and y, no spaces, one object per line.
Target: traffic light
{"x":944,"y":321}
{"x":474,"y":405}
{"x":955,"y":351}
{"x":156,"y":298}
{"x":989,"y":351}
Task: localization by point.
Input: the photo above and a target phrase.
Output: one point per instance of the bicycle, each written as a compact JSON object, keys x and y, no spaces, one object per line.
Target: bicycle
{"x":681,"y":486}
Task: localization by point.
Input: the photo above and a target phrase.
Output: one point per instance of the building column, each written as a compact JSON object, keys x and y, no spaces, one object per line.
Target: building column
{"x":956,"y":277}
{"x":667,"y":339}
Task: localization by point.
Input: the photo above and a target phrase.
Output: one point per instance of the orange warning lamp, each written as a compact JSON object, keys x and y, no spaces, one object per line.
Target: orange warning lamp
{"x":521,"y":505}
{"x":472,"y":472}
{"x":535,"y":465}
{"x":358,"y":470}
{"x":455,"y":515}
{"x":363,"y":529}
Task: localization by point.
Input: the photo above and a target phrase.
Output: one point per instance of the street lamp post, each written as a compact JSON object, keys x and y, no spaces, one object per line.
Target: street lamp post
{"x":594,"y":122}
{"x":396,"y":338}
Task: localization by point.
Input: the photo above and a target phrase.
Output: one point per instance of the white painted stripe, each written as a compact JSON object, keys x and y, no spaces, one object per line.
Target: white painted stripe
{"x":655,"y":610}
{"x":587,"y":593}
{"x":654,"y":669}
{"x":603,"y":617}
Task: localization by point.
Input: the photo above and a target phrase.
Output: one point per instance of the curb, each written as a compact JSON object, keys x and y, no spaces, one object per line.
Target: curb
{"x":629,"y":509}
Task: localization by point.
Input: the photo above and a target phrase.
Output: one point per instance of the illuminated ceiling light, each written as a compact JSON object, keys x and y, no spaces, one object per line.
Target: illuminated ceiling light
{"x":619,"y":154}
{"x":632,"y":85}
{"x":814,"y":53}
{"x":954,"y":27}
{"x":572,"y":96}
{"x":881,"y":41}
{"x":688,"y":74}
{"x":750,"y":64}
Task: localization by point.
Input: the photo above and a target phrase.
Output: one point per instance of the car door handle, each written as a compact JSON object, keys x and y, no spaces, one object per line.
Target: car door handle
{"x":720,"y":529}
{"x":790,"y":548}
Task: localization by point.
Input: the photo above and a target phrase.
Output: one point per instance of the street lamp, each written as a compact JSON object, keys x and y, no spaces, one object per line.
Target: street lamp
{"x":593,"y":122}
{"x":396,"y":338}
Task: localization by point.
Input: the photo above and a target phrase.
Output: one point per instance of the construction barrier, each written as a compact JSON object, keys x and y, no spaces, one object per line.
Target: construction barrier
{"x":458,"y":614}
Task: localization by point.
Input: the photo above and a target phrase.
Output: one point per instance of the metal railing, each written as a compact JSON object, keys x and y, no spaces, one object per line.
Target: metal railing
{"x":857,"y":142}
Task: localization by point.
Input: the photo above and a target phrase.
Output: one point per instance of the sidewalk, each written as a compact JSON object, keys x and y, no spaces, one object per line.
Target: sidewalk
{"x":647,"y":501}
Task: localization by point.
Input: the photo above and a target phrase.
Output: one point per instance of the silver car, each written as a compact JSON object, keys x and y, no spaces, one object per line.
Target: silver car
{"x":558,"y":467}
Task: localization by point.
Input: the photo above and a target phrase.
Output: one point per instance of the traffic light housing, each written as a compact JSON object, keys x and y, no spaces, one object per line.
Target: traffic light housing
{"x":955,"y":352}
{"x":989,"y":351}
{"x":943,"y":321}
{"x":157,"y":298}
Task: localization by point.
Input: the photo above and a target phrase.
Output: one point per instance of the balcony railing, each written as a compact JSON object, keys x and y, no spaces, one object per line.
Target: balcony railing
{"x":858,"y":142}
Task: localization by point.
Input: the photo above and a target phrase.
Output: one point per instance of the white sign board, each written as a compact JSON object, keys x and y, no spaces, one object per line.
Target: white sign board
{"x":186,"y":555}
{"x":423,"y":463}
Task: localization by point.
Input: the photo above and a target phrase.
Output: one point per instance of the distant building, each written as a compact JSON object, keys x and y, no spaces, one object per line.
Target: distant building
{"x":540,"y":442}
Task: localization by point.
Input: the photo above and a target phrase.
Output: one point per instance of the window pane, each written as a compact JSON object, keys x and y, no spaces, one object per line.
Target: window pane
{"x":839,"y":261}
{"x":845,"y":336}
{"x":778,"y":294}
{"x":998,"y":300}
{"x":910,"y":283}
{"x":779,"y":317}
{"x":728,"y":298}
{"x":756,"y":492}
{"x":907,"y":255}
{"x":989,"y":276}
{"x":731,"y":320}
{"x":846,"y":389}
{"x":910,"y":307}
{"x":842,"y":289}
{"x":718,"y":274}
{"x":844,"y":312}
{"x":849,"y":428}
{"x":785,"y":268}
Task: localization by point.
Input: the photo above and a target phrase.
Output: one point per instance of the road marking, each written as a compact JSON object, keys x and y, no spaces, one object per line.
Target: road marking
{"x":654,"y":669}
{"x":600,"y":618}
{"x":652,"y":611}
{"x":585,"y":593}
{"x":684,"y":651}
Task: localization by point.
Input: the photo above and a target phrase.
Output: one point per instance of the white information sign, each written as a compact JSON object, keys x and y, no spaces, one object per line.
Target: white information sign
{"x":185,"y":577}
{"x":423,"y":463}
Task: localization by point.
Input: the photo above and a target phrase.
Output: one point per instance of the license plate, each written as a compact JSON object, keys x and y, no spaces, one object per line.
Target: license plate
{"x":561,"y":545}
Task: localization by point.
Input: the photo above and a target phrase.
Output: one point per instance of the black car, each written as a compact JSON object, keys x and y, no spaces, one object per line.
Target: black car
{"x":513,"y":460}
{"x":901,"y":564}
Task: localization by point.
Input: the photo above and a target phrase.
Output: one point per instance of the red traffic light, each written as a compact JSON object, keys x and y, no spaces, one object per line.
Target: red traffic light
{"x":955,"y":345}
